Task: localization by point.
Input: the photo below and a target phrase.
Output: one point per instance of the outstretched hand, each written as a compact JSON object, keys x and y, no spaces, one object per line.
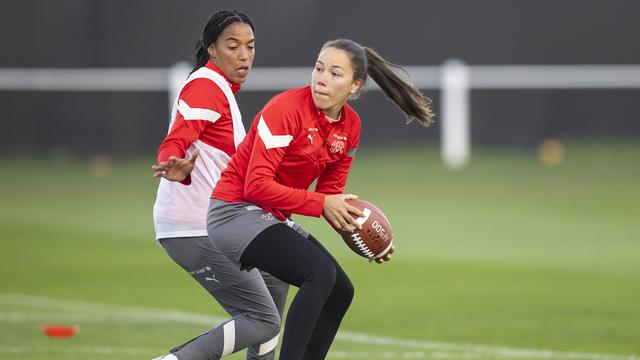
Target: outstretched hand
{"x":176,"y":169}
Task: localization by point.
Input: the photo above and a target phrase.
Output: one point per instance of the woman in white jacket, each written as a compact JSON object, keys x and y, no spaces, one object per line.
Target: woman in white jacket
{"x":205,"y":130}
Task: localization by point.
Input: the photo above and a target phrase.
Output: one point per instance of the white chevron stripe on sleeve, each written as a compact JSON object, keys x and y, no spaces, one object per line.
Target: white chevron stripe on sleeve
{"x":189,"y":113}
{"x":272,"y":141}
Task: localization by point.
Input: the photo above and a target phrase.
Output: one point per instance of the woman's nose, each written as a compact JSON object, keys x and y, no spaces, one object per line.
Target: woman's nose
{"x":244,"y":54}
{"x":321,"y":78}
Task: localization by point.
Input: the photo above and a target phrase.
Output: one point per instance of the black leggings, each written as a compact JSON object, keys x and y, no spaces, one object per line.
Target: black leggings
{"x":325,"y":290}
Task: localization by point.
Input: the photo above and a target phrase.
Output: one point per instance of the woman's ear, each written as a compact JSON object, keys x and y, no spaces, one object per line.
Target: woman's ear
{"x":355,"y":86}
{"x":212,"y":51}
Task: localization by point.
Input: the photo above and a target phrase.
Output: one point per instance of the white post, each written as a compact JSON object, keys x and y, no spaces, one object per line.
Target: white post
{"x":176,"y":75}
{"x":455,"y":132}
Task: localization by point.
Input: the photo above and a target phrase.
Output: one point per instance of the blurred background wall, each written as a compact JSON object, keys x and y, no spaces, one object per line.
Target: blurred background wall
{"x":159,"y":33}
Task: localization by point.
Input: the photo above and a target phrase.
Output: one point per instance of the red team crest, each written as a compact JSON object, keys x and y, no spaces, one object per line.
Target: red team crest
{"x":337,"y":146}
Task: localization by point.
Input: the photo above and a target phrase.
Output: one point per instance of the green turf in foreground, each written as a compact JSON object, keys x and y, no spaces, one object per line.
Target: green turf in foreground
{"x":506,"y":252}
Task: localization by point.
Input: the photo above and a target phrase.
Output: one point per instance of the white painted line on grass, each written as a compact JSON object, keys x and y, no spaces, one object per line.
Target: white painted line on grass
{"x":88,"y":350}
{"x":109,"y":311}
{"x":119,"y":350}
{"x":79,"y":318}
{"x":505,"y":352}
{"x":394,"y":355}
{"x":140,"y":313}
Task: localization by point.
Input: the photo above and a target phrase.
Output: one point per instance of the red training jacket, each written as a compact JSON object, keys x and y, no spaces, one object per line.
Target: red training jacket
{"x":290,"y":144}
{"x":215,"y":131}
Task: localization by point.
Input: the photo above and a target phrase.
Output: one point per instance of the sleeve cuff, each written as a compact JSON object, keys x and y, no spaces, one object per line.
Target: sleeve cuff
{"x":187,"y":180}
{"x":316,"y":203}
{"x":163,"y":156}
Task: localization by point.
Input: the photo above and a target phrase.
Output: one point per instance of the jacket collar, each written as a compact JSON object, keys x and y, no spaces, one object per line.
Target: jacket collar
{"x":235,"y":87}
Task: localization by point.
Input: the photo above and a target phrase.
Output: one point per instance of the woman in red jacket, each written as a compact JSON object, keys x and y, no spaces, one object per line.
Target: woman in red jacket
{"x":206,"y":121}
{"x":301,"y":136}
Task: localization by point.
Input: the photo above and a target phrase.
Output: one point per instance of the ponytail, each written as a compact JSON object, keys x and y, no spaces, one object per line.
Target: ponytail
{"x":364,"y":60}
{"x":212,"y":29}
{"x":410,"y":100}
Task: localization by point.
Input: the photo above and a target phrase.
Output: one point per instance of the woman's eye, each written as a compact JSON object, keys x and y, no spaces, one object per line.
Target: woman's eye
{"x":336,"y":74}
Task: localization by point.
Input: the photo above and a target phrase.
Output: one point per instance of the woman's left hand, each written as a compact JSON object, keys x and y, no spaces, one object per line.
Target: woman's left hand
{"x":176,"y":169}
{"x":385,"y":258}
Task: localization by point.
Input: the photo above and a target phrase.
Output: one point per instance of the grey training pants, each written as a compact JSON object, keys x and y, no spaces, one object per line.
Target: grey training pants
{"x":241,"y":293}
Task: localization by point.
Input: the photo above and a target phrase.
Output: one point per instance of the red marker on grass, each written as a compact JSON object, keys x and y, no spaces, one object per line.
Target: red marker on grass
{"x":62,"y":331}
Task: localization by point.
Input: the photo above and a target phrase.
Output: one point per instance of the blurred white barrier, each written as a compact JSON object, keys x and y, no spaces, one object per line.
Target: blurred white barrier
{"x":455,"y":134}
{"x":454,"y":79}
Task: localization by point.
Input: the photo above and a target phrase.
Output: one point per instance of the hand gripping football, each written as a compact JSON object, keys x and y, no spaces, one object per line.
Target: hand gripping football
{"x":375,"y":238}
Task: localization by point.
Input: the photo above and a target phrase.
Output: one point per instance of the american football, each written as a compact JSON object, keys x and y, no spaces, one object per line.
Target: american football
{"x":375,"y":238}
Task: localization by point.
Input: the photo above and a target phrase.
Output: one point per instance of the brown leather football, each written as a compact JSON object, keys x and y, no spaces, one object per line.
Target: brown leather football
{"x":376,"y":237}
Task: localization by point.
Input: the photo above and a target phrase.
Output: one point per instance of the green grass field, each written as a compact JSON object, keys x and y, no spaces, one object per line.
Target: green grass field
{"x":505,"y":259}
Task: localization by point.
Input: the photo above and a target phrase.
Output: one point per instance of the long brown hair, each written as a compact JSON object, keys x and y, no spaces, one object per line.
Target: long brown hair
{"x":407,"y":98}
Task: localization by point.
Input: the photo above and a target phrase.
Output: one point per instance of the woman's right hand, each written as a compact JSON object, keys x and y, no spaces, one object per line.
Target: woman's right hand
{"x":339,"y":213}
{"x":176,"y":169}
